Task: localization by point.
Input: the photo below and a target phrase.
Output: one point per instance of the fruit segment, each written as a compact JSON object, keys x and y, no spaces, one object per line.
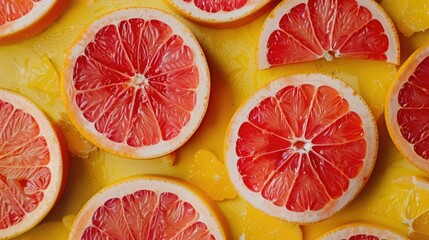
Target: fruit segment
{"x":211,"y":176}
{"x":300,"y":31}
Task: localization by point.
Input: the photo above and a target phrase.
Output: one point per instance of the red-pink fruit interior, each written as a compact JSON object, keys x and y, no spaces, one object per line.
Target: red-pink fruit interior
{"x":364,"y":237}
{"x":211,"y":6}
{"x":23,"y":158}
{"x":146,"y":215}
{"x":300,"y":148}
{"x":313,"y":30}
{"x":136,"y":82}
{"x":413,"y":115}
{"x":11,"y":10}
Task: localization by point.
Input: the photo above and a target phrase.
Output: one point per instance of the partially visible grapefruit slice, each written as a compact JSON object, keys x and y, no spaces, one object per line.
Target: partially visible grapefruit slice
{"x":149,"y":207}
{"x":221,"y":12}
{"x":362,"y":231}
{"x":407,"y":109}
{"x":305,"y":30}
{"x":31,"y":165}
{"x":302,"y":147}
{"x":136,"y":83}
{"x":21,"y":19}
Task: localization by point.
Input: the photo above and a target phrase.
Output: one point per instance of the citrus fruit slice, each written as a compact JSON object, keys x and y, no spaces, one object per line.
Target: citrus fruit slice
{"x":148,"y":208}
{"x":407,"y":202}
{"x":410,"y":16}
{"x":305,"y":30}
{"x":21,"y":19}
{"x":136,"y":83}
{"x":302,"y":147}
{"x":31,"y":165}
{"x":362,"y":232}
{"x":407,"y":109}
{"x":224,"y":13}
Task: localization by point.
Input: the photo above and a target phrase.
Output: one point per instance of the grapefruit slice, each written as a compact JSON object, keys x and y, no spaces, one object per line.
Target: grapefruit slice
{"x":407,"y":109}
{"x":31,"y":165}
{"x":306,"y":30}
{"x":362,"y":231}
{"x":302,"y":147}
{"x":136,"y":83}
{"x":148,"y":207}
{"x":22,"y":19}
{"x":221,"y":13}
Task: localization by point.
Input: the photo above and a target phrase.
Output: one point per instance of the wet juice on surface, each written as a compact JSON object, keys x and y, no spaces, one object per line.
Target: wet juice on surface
{"x":34,"y":67}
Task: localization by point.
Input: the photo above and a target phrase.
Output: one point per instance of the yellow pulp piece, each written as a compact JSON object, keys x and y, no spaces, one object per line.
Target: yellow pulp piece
{"x":30,"y":66}
{"x":410,"y":16}
{"x":210,"y":175}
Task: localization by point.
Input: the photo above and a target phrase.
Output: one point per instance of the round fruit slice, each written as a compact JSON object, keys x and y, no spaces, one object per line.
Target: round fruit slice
{"x":302,"y":147}
{"x":305,"y":30}
{"x":148,"y":208}
{"x":136,"y":83}
{"x":21,"y":19}
{"x":407,"y":109}
{"x":361,"y":232}
{"x":31,"y":165}
{"x":222,"y":12}
{"x":406,"y":201}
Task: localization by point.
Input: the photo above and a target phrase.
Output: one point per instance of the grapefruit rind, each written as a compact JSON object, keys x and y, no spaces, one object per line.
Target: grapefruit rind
{"x":35,"y":21}
{"x":392,"y":107}
{"x":208,"y":212}
{"x":357,"y":104}
{"x":88,"y":130}
{"x":55,"y":165}
{"x":221,"y":18}
{"x":349,"y":230}
{"x":272,"y":23}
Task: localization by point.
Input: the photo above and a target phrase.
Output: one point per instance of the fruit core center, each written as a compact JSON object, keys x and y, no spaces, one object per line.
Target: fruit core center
{"x":329,"y":55}
{"x":302,"y":146}
{"x":140,"y":79}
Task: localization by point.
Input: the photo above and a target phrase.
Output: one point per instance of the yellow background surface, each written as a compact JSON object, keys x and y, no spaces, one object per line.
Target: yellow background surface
{"x":33,"y":68}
